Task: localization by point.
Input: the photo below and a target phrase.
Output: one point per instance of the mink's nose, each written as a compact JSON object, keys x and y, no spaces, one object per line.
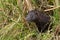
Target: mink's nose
{"x":27,"y":19}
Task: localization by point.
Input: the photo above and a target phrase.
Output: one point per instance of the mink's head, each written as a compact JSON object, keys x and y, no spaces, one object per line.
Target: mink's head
{"x":31,"y":16}
{"x":35,"y":15}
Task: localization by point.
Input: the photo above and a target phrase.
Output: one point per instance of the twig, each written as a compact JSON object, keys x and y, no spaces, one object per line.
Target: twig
{"x":52,"y":8}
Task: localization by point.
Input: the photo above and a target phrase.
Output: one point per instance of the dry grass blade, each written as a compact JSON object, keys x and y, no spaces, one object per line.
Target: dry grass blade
{"x":29,"y":5}
{"x":52,"y":8}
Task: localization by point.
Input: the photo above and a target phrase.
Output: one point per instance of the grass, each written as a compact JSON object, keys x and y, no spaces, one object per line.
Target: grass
{"x":13,"y":25}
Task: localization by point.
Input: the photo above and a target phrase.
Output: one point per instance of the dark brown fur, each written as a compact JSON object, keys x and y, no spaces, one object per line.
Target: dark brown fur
{"x":39,"y":18}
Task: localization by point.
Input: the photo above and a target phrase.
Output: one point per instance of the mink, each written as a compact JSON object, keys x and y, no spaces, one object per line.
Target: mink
{"x":40,"y":18}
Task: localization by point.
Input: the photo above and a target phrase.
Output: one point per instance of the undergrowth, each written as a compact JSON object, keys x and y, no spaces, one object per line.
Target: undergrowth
{"x":13,"y":25}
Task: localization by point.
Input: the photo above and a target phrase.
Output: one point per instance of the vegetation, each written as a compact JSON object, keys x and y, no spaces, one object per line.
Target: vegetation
{"x":13,"y":25}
